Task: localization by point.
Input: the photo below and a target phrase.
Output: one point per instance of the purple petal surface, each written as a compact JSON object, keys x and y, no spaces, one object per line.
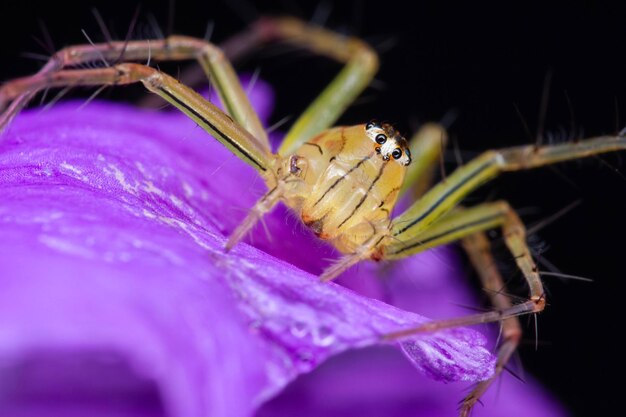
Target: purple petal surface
{"x":378,"y":381}
{"x":114,"y":279}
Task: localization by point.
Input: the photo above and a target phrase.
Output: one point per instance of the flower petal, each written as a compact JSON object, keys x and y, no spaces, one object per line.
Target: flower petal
{"x":377,"y":381}
{"x":113,"y":221}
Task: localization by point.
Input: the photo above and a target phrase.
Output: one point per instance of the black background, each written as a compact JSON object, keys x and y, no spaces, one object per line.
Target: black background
{"x":440,"y":58}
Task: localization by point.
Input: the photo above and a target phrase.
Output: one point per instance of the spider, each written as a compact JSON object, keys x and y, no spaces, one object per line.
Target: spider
{"x":343,"y":182}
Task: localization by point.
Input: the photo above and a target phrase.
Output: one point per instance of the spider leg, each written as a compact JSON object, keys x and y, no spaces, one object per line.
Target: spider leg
{"x":361,"y":63}
{"x":261,"y":207}
{"x":478,"y":248}
{"x":174,"y":48}
{"x":235,"y":49}
{"x":206,"y":114}
{"x":426,"y":146}
{"x":468,"y":225}
{"x":345,"y":262}
{"x":465,"y":222}
{"x":447,"y":194}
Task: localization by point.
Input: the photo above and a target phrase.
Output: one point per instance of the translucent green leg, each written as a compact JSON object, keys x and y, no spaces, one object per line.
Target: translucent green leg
{"x":174,"y":48}
{"x":478,"y":248}
{"x":464,"y":222}
{"x":426,"y":146}
{"x":447,"y":194}
{"x":206,"y":114}
{"x":361,"y":65}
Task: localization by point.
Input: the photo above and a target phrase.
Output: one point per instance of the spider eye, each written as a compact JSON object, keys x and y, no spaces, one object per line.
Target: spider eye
{"x":397,"y":153}
{"x":371,"y":124}
{"x":380,"y":138}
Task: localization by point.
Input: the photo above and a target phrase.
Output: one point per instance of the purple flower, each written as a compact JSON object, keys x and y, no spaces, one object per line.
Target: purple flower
{"x":117,"y":299}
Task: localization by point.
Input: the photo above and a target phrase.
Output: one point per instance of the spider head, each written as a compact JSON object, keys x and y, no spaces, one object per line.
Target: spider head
{"x":388,"y":142}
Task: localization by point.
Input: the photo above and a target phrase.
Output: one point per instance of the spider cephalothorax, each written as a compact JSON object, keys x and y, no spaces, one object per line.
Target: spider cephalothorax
{"x":348,"y":190}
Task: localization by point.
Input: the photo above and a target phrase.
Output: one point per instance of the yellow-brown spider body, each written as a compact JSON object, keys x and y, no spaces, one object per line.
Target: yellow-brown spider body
{"x":344,"y":186}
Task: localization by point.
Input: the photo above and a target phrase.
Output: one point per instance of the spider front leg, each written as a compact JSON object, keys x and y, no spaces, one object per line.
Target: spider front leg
{"x":206,"y":114}
{"x":16,"y":94}
{"x":447,"y":194}
{"x":361,"y":63}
